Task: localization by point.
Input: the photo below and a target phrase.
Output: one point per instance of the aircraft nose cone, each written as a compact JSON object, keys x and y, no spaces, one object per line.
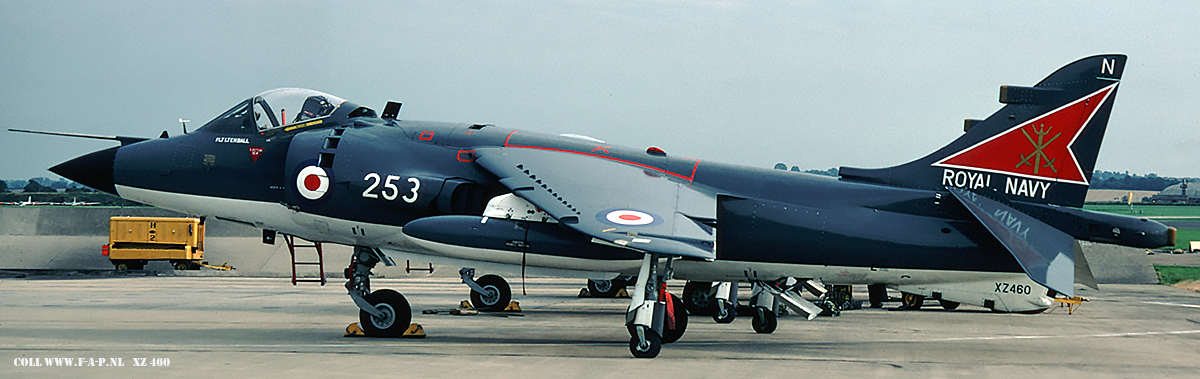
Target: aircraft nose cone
{"x":94,"y":170}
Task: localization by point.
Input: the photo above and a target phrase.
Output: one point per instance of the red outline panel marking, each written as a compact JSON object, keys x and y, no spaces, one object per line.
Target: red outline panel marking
{"x":469,"y":153}
{"x":426,"y":137}
{"x":688,"y":178}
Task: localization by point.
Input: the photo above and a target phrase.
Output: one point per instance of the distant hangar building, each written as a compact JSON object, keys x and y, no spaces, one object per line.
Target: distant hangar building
{"x":1182,"y":193}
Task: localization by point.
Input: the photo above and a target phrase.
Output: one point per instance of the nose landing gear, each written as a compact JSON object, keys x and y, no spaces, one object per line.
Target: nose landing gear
{"x":383,"y":313}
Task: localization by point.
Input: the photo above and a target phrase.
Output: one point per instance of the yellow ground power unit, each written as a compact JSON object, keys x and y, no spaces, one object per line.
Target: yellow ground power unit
{"x":133,"y":241}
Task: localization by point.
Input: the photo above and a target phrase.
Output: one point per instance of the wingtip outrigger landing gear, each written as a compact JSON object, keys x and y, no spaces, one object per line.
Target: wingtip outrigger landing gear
{"x":383,"y":313}
{"x":655,"y":316}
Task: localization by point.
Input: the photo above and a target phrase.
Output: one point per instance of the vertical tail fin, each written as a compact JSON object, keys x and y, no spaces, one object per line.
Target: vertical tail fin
{"x":1040,"y":147}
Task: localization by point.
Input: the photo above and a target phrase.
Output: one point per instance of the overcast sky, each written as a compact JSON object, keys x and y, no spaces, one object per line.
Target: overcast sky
{"x":810,"y":84}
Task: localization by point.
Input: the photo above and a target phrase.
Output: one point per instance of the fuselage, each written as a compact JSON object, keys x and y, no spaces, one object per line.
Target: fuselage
{"x":383,"y":174}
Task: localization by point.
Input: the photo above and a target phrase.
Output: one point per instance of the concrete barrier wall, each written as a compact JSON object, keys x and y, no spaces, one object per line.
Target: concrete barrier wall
{"x":1114,"y":264}
{"x":69,"y":238}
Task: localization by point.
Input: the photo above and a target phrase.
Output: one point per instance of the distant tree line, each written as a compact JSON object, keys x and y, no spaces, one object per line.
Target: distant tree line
{"x":1126,"y":181}
{"x":1100,"y":179}
{"x":61,"y":184}
{"x":57,"y":191}
{"x":830,"y":172}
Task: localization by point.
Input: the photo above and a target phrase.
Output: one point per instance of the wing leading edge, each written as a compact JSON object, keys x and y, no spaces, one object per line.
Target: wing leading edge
{"x":611,"y":201}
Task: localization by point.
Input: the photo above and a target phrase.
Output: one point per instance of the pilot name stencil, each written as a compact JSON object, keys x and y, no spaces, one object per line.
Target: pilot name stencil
{"x":237,"y":140}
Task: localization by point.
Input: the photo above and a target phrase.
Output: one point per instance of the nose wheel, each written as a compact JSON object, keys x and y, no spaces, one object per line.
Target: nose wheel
{"x":394,"y":314}
{"x":382,"y":313}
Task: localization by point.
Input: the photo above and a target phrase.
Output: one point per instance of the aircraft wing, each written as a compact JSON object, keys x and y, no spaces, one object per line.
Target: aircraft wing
{"x":1047,"y":254}
{"x":612,"y":201}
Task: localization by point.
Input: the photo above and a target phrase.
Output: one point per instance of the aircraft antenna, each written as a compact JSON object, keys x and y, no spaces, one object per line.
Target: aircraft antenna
{"x":184,"y":122}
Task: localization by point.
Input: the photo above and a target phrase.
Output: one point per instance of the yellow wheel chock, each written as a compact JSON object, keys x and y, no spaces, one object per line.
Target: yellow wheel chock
{"x":353,"y":330}
{"x":414,"y":331}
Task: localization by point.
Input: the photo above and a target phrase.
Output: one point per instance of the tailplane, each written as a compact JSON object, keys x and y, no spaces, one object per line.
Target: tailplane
{"x":1040,"y":147}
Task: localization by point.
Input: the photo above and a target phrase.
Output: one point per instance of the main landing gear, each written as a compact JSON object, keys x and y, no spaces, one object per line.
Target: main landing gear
{"x":383,"y":313}
{"x":489,"y":292}
{"x":652,"y":319}
{"x":766,"y":300}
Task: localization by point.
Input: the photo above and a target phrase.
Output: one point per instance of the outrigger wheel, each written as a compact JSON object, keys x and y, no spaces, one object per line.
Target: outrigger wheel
{"x":497,"y":297}
{"x":396,"y":314}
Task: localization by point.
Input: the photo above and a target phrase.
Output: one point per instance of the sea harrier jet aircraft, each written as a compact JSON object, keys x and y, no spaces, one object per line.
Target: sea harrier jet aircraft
{"x":991,"y":219}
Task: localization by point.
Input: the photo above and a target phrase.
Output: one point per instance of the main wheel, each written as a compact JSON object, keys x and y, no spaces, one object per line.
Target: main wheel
{"x":681,"y":318}
{"x":698,"y":298}
{"x":182,"y":265}
{"x":497,"y":297}
{"x":912,"y":301}
{"x":649,"y":349}
{"x":121,"y":265}
{"x":725,"y":312}
{"x":764,"y":321}
{"x":948,"y":305}
{"x":396,"y":314}
{"x":603,"y":288}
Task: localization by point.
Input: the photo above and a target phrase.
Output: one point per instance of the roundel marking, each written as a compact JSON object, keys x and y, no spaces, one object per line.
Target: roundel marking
{"x":312,"y":182}
{"x":629,"y":217}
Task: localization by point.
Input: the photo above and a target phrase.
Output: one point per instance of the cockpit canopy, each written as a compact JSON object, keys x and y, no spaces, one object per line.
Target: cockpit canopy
{"x":275,"y":108}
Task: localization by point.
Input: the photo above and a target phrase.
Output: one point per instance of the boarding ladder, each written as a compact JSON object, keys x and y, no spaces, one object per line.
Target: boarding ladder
{"x":320,"y":263}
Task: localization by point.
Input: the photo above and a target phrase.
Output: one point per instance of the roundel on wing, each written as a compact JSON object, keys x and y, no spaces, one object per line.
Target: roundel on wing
{"x":312,"y":182}
{"x":629,"y":217}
